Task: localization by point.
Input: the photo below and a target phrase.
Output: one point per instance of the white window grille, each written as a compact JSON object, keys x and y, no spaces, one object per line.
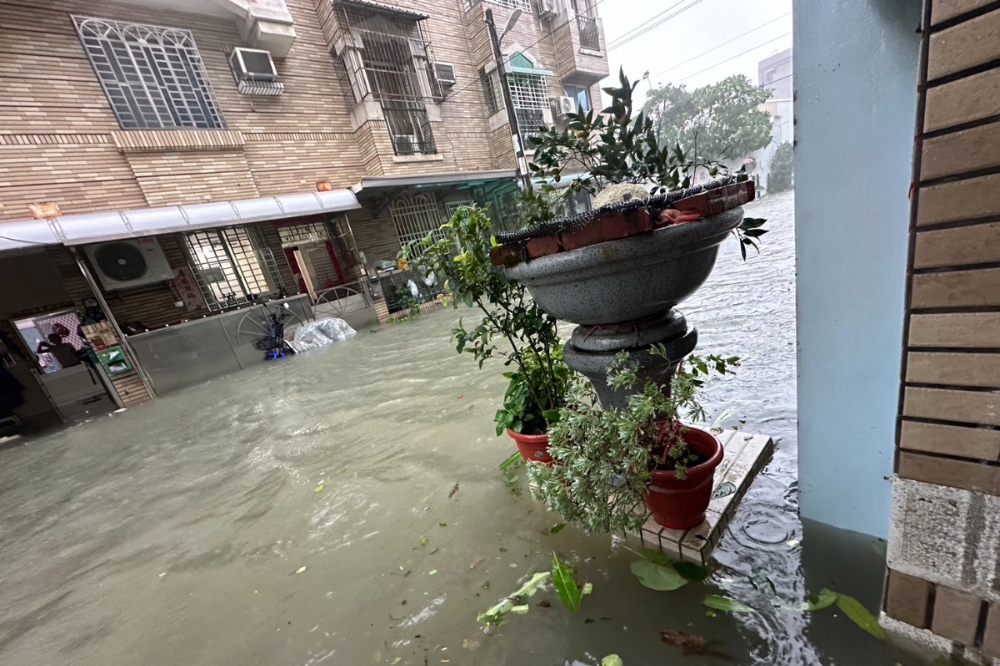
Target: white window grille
{"x":300,"y":234}
{"x":154,"y":77}
{"x":530,"y":99}
{"x":388,"y":59}
{"x":524,"y":5}
{"x":233,"y":266}
{"x":415,"y":216}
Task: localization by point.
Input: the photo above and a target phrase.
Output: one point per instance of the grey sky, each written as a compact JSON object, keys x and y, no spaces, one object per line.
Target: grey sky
{"x":703,"y":28}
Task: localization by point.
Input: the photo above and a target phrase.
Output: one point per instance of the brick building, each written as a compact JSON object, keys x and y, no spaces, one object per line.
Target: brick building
{"x":170,"y":162}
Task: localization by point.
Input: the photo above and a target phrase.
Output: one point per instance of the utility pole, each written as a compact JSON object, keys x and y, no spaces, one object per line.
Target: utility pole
{"x":521,"y":162}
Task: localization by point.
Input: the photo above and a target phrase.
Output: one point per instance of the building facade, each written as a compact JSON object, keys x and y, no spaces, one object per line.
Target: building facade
{"x":244,"y":151}
{"x":775,"y":74}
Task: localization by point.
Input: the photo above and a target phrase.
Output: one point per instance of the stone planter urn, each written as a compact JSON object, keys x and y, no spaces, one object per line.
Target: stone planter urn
{"x":620,"y":273}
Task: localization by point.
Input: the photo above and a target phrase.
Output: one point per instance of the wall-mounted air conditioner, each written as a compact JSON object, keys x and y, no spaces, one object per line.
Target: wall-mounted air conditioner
{"x":547,"y":9}
{"x":132,"y":262}
{"x":567,"y":105}
{"x":252,"y":65}
{"x":444,"y":73}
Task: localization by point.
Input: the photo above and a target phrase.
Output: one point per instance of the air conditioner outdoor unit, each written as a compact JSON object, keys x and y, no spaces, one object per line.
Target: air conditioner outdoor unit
{"x":131,"y":262}
{"x":252,"y":65}
{"x":444,"y":73}
{"x":547,"y":8}
{"x":567,"y":105}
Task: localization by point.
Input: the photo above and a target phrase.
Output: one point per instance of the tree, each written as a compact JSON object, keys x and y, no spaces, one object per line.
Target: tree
{"x":718,"y":121}
{"x":782,"y":168}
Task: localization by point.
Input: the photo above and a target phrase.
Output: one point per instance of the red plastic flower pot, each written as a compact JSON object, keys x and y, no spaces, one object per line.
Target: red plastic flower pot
{"x":533,"y":448}
{"x":680,"y":505}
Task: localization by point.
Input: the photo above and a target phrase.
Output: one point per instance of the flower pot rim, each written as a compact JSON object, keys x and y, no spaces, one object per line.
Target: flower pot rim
{"x":535,"y":439}
{"x":698,"y":470}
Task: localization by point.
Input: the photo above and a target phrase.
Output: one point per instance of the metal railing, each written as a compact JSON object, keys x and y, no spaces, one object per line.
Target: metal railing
{"x":343,"y":299}
{"x":409,"y":128}
{"x":590,"y":33}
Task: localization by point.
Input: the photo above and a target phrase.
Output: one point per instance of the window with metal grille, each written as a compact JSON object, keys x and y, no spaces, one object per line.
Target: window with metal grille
{"x":492,"y":94}
{"x":154,"y":77}
{"x":415,"y":216}
{"x":297,"y":234}
{"x":388,"y":59}
{"x":233,"y":266}
{"x":530,"y":99}
{"x":513,"y":4}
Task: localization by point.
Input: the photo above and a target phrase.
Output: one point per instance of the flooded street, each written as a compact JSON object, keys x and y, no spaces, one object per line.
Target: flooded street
{"x":299,"y":513}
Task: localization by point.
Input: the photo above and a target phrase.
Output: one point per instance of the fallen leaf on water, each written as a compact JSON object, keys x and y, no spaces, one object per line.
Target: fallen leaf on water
{"x":692,"y":645}
{"x":513,"y":565}
{"x":423,"y":540}
{"x":319,"y":488}
{"x":453,"y":491}
{"x":726,"y":604}
{"x":397,"y":660}
{"x":300,"y":570}
{"x":658,"y":577}
{"x":612,"y":660}
{"x":589,"y":620}
{"x":378,"y":657}
{"x":859,"y":615}
{"x":557,"y":529}
{"x":442,"y":524}
{"x":434,"y":551}
{"x":432,"y":572}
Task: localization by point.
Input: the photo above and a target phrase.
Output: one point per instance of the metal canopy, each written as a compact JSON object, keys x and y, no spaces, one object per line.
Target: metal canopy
{"x":378,"y":185}
{"x":384,"y":9}
{"x":97,"y":227}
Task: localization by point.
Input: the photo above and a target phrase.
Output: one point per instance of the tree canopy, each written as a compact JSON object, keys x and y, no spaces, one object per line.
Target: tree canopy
{"x":718,"y":121}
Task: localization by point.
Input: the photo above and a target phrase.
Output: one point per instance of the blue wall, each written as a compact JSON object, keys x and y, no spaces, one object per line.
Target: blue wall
{"x":855,"y":82}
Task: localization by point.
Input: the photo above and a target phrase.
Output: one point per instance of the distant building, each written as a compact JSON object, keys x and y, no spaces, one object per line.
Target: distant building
{"x":775,"y":74}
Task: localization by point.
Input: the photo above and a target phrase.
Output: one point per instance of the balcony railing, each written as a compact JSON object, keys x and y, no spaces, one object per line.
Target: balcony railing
{"x":590,"y":33}
{"x":409,"y":128}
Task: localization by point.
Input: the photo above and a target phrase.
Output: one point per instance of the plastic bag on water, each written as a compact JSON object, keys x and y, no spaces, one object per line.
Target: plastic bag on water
{"x":320,"y":333}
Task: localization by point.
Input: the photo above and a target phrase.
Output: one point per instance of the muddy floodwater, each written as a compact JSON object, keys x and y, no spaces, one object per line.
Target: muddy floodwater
{"x":298,"y":513}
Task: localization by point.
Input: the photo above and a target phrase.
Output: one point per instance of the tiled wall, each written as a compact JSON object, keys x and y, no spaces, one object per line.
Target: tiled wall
{"x":943,"y":583}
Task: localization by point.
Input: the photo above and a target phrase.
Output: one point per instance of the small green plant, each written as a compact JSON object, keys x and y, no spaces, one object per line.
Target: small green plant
{"x":604,"y":458}
{"x":408,"y":302}
{"x":512,"y":326}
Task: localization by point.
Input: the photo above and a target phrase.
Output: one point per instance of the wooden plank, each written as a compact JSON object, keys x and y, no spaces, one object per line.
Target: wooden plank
{"x":961,"y":246}
{"x":978,"y":443}
{"x":946,"y":369}
{"x":961,"y":152}
{"x":965,"y":45}
{"x":975,"y":288}
{"x":961,"y":200}
{"x":960,"y":330}
{"x":977,"y":477}
{"x":979,"y":407}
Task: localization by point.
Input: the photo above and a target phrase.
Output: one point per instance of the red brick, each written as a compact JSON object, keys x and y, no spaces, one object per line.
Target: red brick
{"x":906,"y":599}
{"x":589,"y":235}
{"x":542,"y":247}
{"x":507,"y":255}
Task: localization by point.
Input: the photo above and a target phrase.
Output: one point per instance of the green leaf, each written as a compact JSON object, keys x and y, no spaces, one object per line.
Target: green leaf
{"x":859,"y":615}
{"x":565,"y":583}
{"x":467,"y":299}
{"x":557,"y":529}
{"x":318,"y":489}
{"x":658,"y":577}
{"x":691,"y":571}
{"x":551,"y":415}
{"x":824,"y":599}
{"x":612,"y":660}
{"x":495,"y":614}
{"x":423,"y":540}
{"x":726,"y":604}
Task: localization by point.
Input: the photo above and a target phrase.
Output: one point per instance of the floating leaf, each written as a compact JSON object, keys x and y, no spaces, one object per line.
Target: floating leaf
{"x":658,"y":577}
{"x":396,"y":661}
{"x":565,"y":583}
{"x":612,"y":660}
{"x":519,"y":610}
{"x":726,"y":604}
{"x":859,"y":615}
{"x":557,"y":529}
{"x":319,"y":488}
{"x":442,"y":524}
{"x":724,"y":490}
{"x":432,"y":572}
{"x":691,"y":571}
{"x":824,"y":599}
{"x":589,"y":620}
{"x":300,"y":570}
{"x":423,"y":540}
{"x":495,"y":614}
{"x":588,"y":588}
{"x":378,"y":657}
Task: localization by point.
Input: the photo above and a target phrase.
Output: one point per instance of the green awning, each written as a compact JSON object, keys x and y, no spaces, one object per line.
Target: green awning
{"x":518,"y":63}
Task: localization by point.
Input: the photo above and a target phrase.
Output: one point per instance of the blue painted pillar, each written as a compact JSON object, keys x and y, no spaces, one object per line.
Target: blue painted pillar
{"x":855,"y":104}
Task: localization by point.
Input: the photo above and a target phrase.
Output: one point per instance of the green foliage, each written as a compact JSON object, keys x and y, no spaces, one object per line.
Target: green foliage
{"x":564,"y":580}
{"x":526,"y":334}
{"x":604,"y":458}
{"x":408,"y":303}
{"x":510,"y":473}
{"x":659,"y":577}
{"x":858,"y":614}
{"x":726,"y":604}
{"x":718,"y":121}
{"x":782,"y":168}
{"x":514,"y":603}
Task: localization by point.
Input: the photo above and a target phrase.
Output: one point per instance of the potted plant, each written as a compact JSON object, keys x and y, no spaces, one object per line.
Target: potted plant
{"x":512,"y":327}
{"x":612,"y":468}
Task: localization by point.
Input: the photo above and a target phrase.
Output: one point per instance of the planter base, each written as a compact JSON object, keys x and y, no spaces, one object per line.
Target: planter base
{"x":745,"y":456}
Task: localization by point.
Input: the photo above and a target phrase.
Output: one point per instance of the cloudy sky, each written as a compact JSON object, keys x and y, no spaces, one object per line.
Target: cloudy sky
{"x":700,"y":42}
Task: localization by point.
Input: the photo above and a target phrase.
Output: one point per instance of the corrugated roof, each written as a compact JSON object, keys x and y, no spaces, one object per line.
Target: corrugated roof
{"x":97,"y":227}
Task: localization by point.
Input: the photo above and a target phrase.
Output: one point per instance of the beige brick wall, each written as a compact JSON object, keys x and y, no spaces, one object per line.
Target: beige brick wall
{"x":944,"y":567}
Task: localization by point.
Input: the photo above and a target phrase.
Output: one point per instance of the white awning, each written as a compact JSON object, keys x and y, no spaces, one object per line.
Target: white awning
{"x":98,"y":227}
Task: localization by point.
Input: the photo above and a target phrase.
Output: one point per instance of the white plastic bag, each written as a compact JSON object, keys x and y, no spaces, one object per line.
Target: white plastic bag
{"x":320,"y":333}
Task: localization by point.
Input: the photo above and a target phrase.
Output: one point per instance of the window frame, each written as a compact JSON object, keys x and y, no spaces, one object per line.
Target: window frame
{"x":157,"y":80}
{"x":213,"y":250}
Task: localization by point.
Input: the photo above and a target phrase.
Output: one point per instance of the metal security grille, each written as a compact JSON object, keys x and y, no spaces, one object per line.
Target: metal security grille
{"x":415,"y":216}
{"x":296,"y":234}
{"x":492,"y":93}
{"x":530,"y":99}
{"x":409,"y":128}
{"x":513,"y":4}
{"x":154,"y":77}
{"x":232,"y":266}
{"x":590,"y":34}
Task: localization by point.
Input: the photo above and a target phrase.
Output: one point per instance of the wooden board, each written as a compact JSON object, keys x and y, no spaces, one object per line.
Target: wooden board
{"x":746,"y":455}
